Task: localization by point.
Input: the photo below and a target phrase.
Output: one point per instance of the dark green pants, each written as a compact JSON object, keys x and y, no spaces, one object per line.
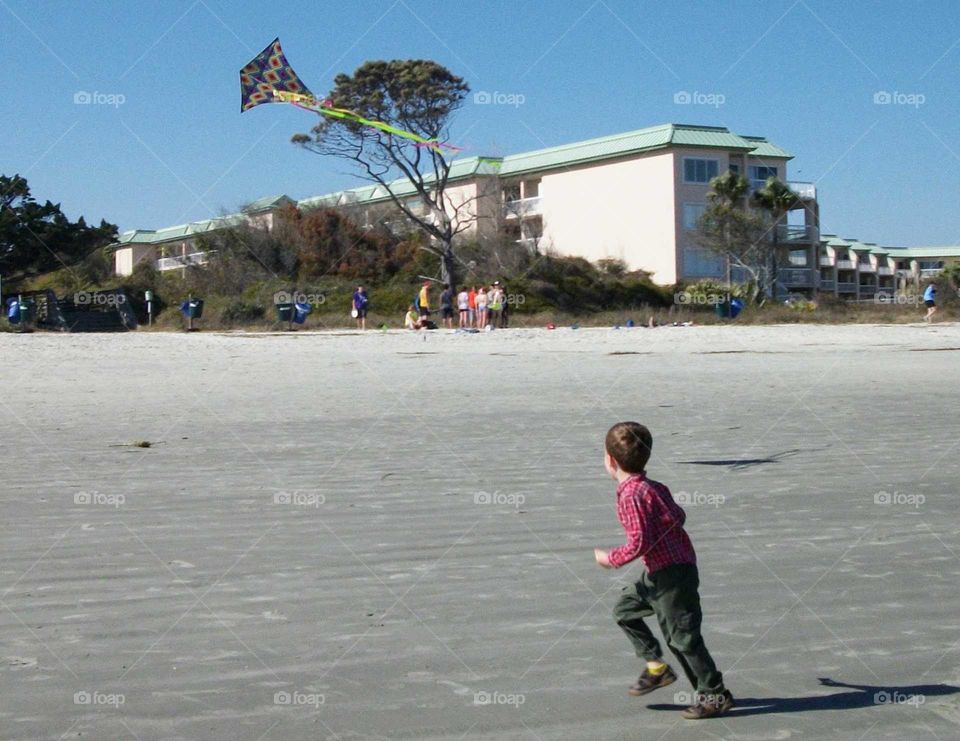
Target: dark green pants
{"x":670,"y":594}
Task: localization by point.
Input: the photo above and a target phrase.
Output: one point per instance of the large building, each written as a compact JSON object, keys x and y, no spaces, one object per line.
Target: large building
{"x":634,"y":197}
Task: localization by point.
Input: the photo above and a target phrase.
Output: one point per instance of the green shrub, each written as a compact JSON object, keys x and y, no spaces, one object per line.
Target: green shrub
{"x":241,"y":312}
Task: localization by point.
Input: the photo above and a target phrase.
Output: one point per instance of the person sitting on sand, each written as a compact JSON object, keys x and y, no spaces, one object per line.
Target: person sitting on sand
{"x":412,"y":320}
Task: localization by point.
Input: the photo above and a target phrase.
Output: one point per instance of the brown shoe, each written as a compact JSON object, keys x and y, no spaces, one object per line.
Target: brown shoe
{"x":649,"y":682}
{"x":709,"y":706}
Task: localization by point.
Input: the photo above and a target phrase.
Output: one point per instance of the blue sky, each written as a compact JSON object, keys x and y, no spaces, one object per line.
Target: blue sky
{"x":803,"y":73}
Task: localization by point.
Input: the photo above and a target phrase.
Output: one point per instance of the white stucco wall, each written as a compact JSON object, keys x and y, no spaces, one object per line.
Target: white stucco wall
{"x":622,"y":209}
{"x":126,"y":258}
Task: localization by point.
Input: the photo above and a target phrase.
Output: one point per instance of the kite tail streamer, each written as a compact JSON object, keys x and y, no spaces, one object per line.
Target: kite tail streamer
{"x":269,"y":78}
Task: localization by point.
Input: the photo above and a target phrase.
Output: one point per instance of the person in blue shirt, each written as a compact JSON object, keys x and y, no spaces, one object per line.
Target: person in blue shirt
{"x":360,"y":304}
{"x":930,"y":301}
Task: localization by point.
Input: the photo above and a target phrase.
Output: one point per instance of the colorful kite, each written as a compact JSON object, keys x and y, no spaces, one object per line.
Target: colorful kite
{"x":269,"y":78}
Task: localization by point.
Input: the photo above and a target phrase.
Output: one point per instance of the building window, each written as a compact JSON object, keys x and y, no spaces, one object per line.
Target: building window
{"x":692,"y":213}
{"x":734,"y":168}
{"x":699,"y":170}
{"x":759,"y":175}
{"x":531,"y":188}
{"x":798,"y":258}
{"x":511,"y":192}
{"x":931,"y":264}
{"x":699,"y":262}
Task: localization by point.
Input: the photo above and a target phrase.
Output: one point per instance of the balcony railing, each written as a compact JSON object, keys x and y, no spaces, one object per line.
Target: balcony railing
{"x":867,"y":290}
{"x":183,"y":261}
{"x":789,"y":233}
{"x":884,"y":271}
{"x":866,"y":267}
{"x":826,"y":262}
{"x":522,"y":207}
{"x":807,"y":191}
{"x":846,"y":287}
{"x":796,"y":277}
{"x":845,"y":265}
{"x":930,"y":272}
{"x":827,"y":285}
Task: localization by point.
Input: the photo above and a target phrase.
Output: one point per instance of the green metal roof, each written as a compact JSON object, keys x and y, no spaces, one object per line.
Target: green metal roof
{"x":922,"y":252}
{"x":176,"y":233}
{"x":459,"y":170}
{"x":591,"y":150}
{"x":635,"y":142}
{"x":764,"y":148}
{"x":902,"y":252}
{"x":269,"y":202}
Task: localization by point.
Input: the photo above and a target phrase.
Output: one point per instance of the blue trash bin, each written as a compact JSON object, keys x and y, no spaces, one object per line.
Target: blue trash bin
{"x":300,"y":312}
{"x":21,"y":312}
{"x":13,"y":311}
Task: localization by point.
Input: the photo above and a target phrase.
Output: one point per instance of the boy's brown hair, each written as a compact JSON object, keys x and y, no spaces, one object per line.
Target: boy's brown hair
{"x":629,"y":444}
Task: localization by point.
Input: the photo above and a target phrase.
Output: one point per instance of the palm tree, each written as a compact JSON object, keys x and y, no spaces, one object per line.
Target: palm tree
{"x":776,"y":198}
{"x":728,"y":229}
{"x":728,"y":189}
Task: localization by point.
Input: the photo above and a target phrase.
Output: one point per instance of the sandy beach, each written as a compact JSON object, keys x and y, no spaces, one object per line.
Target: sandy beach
{"x":389,"y":535}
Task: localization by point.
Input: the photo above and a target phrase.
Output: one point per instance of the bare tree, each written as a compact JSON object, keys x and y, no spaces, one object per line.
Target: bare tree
{"x":415,"y":96}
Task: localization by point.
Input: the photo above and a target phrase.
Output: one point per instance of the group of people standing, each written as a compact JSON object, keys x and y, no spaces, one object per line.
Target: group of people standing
{"x":478,"y":307}
{"x":481,"y":307}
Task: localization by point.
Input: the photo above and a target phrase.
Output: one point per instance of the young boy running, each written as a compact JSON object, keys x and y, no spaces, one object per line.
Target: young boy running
{"x":668,"y":587}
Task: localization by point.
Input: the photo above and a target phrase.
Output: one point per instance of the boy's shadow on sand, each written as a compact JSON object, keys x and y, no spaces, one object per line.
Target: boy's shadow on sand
{"x":864,"y":696}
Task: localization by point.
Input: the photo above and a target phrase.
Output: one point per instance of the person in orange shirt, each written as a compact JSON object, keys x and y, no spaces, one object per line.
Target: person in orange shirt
{"x":472,"y":305}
